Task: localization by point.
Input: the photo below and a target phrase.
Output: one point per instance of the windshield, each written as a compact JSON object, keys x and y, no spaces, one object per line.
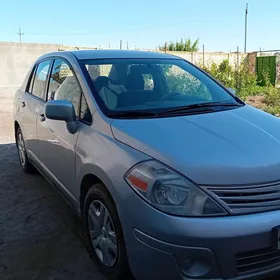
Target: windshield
{"x":150,"y":85}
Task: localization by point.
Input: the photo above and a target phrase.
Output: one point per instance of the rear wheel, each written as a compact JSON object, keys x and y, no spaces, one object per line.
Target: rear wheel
{"x":23,"y":158}
{"x":104,"y":233}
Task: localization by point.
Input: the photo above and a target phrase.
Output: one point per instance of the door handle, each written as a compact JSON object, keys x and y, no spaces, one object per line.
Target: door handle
{"x":42,"y":117}
{"x":23,"y":104}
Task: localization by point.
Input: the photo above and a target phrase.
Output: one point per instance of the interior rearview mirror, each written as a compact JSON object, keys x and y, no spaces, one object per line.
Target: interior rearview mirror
{"x":62,"y":110}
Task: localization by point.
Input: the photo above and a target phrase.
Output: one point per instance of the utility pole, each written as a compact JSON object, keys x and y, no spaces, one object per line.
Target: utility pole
{"x":203,"y":57}
{"x":20,"y":34}
{"x":246,"y":18}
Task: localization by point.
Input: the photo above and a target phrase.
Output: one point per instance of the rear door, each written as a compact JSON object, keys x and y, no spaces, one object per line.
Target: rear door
{"x":31,"y":102}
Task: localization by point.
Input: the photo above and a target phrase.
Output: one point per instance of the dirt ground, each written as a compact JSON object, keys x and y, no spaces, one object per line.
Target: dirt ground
{"x":256,"y":101}
{"x":40,"y":237}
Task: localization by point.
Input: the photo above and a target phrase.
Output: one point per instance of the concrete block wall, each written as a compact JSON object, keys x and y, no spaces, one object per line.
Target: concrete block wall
{"x":211,"y":57}
{"x":15,"y":61}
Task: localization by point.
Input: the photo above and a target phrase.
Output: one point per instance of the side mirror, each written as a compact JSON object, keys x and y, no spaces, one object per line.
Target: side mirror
{"x":232,"y":91}
{"x":62,"y":110}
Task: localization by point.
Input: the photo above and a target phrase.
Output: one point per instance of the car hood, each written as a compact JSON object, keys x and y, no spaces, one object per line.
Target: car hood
{"x":238,"y":146}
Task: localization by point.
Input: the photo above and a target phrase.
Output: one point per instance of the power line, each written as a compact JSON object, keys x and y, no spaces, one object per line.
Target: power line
{"x":20,"y":34}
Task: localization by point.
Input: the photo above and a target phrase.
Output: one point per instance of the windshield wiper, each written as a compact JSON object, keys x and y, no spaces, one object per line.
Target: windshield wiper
{"x":132,"y":114}
{"x":205,"y":106}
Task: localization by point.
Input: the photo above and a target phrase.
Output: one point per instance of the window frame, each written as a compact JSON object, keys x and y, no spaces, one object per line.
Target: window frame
{"x":79,"y":118}
{"x":33,"y":74}
{"x":54,"y":58}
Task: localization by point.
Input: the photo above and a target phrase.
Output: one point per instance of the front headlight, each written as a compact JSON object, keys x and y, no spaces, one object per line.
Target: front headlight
{"x":170,"y":192}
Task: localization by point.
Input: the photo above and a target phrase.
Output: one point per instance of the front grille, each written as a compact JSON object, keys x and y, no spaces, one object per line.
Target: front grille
{"x":249,"y":199}
{"x":249,"y":262}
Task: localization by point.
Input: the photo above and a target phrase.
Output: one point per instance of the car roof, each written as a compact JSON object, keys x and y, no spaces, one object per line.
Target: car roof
{"x":110,"y":54}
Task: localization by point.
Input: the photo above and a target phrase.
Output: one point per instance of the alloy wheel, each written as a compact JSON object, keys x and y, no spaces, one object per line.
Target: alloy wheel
{"x":102,"y":233}
{"x":21,"y":149}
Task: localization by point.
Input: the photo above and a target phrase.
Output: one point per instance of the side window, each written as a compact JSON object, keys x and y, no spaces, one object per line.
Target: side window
{"x":40,"y":79}
{"x":85,"y":114}
{"x":31,"y":80}
{"x":64,"y":85}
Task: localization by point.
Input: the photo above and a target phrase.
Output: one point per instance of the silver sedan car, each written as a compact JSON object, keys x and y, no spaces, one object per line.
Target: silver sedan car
{"x":174,"y":176}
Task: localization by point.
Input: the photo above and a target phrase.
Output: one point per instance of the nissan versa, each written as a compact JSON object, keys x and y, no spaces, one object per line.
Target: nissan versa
{"x":173,"y":176}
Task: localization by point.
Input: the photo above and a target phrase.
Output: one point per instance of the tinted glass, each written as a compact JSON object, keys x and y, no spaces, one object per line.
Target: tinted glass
{"x":64,"y":85}
{"x":31,"y":81}
{"x":148,"y":81}
{"x":151,"y":84}
{"x":40,"y":79}
{"x":178,"y":80}
{"x":85,"y":114}
{"x":100,"y":73}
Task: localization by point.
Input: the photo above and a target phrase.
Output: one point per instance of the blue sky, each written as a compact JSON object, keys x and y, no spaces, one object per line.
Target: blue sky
{"x":219,"y":24}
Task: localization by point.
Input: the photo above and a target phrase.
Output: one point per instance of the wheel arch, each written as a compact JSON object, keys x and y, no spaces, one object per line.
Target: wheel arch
{"x":16,"y":127}
{"x":87,"y":182}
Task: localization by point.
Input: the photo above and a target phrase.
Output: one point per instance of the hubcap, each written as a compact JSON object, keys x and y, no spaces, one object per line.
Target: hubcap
{"x":21,"y":149}
{"x":102,"y":233}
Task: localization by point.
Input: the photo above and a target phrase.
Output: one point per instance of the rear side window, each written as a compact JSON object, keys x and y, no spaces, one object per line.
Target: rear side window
{"x":31,"y":81}
{"x":40,"y":79}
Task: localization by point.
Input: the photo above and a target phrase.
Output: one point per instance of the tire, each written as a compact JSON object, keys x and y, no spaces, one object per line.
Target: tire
{"x":25,"y":164}
{"x":114,"y":265}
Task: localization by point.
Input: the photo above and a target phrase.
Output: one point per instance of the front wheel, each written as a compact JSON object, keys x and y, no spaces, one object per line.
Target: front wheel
{"x":104,"y":233}
{"x":23,"y":158}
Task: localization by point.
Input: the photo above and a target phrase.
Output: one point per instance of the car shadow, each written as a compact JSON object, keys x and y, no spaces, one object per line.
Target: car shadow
{"x":40,"y":235}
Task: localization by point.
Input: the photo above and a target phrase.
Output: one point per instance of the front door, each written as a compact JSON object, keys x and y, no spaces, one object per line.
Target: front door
{"x":31,"y":102}
{"x":57,"y":145}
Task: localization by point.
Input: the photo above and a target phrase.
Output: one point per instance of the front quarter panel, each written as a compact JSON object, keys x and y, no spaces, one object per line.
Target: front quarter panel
{"x":100,"y":154}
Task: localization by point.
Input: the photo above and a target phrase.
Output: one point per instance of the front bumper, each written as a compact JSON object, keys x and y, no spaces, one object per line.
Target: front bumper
{"x":164,"y":247}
